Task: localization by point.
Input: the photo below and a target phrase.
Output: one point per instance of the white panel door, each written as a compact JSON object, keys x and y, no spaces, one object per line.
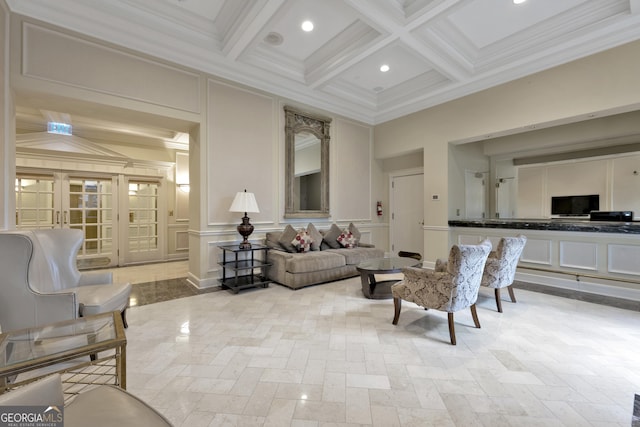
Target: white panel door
{"x":407,"y":213}
{"x":475,"y":194}
{"x":505,"y":198}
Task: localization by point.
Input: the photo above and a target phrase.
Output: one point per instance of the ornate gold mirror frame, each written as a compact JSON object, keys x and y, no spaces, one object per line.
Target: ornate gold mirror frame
{"x":306,"y":185}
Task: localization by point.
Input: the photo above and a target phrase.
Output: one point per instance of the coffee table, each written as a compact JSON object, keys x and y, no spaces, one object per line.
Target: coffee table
{"x":88,"y":350}
{"x":368,"y":269}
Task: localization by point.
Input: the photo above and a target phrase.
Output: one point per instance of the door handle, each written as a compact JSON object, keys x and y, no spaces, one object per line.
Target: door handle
{"x":65,"y":217}
{"x":57,"y":217}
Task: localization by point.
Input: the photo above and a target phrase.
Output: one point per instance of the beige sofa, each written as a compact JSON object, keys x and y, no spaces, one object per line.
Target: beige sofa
{"x":297,"y":270}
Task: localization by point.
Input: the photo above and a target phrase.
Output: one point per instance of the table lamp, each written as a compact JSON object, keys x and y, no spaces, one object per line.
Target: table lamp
{"x":244,"y":202}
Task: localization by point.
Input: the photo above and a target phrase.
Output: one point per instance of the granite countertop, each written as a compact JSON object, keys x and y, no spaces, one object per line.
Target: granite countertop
{"x":552,"y":225}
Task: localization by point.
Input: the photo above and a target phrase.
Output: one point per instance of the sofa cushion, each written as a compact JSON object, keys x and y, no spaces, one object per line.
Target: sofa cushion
{"x":272,"y":240}
{"x":331,"y":236}
{"x":355,"y":256}
{"x":96,"y":299}
{"x":313,"y":261}
{"x":316,"y":237}
{"x":287,"y":237}
{"x":302,"y":241}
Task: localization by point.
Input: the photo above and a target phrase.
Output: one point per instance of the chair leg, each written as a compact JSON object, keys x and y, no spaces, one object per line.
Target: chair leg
{"x":452,"y":329}
{"x":474,"y":314}
{"x":498,"y":302}
{"x":397,"y":305}
{"x":511,"y":294}
{"x":123,"y":314}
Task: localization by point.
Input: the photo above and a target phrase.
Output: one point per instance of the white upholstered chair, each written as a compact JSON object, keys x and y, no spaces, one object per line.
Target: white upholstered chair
{"x":452,"y":289}
{"x":500,"y":268}
{"x":21,"y":306}
{"x":51,"y":289}
{"x":95,"y":289}
{"x":102,"y":406}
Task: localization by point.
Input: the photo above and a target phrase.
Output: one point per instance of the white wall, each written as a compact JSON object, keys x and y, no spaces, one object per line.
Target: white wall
{"x":612,"y":178}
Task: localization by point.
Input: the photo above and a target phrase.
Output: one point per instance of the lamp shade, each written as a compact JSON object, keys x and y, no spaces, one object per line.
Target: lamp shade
{"x":244,"y":202}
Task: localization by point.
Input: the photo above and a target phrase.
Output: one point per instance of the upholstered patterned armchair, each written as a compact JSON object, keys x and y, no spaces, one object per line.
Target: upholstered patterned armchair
{"x":451,"y":290}
{"x":500,"y":268}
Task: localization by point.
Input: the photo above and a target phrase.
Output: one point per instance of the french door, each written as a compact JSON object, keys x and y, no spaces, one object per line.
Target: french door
{"x":119,"y":216}
{"x":63,"y":200}
{"x":142,"y":233}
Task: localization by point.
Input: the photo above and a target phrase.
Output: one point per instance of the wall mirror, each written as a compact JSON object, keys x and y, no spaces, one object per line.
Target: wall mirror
{"x":306,"y":165}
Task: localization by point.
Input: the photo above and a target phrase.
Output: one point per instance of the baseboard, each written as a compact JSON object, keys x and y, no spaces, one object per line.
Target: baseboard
{"x":587,"y":285}
{"x":202,"y":283}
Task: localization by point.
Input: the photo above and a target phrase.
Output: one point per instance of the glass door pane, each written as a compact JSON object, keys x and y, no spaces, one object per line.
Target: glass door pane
{"x":143,"y":226}
{"x":90,"y":210}
{"x":36,"y":204}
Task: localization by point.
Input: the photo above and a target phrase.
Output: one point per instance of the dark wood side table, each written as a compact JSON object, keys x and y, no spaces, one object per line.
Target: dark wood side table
{"x":368,"y":269}
{"x":248,"y":267}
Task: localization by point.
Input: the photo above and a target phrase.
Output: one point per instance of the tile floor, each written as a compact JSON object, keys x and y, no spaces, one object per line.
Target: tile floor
{"x":326,"y":356}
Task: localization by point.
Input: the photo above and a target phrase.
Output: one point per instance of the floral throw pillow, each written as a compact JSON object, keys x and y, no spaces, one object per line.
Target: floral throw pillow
{"x":302,"y":241}
{"x":347,"y":239}
{"x":356,"y":233}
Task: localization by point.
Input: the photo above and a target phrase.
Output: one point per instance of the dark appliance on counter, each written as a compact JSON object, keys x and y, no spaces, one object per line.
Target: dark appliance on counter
{"x":574,"y":205}
{"x":623,"y":216}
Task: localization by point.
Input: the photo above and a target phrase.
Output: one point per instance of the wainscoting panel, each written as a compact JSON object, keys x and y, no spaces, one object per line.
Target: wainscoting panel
{"x":624,"y":259}
{"x":537,"y":251}
{"x":581,"y":255}
{"x":182,"y":240}
{"x":350,"y":182}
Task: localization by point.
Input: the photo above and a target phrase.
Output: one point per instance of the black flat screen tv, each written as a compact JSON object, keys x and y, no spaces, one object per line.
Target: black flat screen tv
{"x":574,"y":205}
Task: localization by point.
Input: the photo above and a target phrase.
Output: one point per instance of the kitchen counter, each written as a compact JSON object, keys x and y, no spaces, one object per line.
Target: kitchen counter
{"x":554,"y":224}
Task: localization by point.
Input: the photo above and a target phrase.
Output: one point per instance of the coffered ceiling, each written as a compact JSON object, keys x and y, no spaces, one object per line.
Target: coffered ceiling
{"x":436,"y":50}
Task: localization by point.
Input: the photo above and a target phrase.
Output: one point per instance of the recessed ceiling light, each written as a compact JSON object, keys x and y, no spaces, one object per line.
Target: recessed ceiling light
{"x":384,"y":68}
{"x":307,"y":26}
{"x":274,"y":38}
{"x":519,"y":1}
